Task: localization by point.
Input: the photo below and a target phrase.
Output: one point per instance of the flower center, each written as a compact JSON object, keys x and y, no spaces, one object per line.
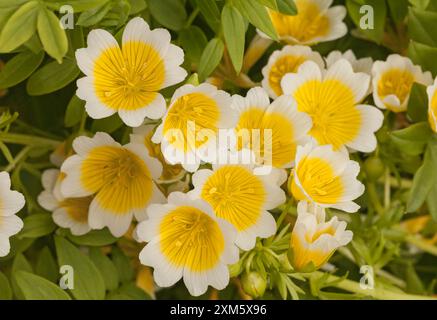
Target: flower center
{"x":396,"y":82}
{"x":190,"y":238}
{"x":128,"y":79}
{"x":284,"y":65}
{"x":120,"y":178}
{"x":236,"y":195}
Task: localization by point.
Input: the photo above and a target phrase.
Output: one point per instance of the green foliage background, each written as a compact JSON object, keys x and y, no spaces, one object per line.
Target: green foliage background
{"x":40,"y":110}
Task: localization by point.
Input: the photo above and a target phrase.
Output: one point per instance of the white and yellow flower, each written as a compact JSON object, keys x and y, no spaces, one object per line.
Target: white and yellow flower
{"x":186,"y":240}
{"x":393,"y":80}
{"x":286,"y":60}
{"x":432,"y":105}
{"x":314,"y":22}
{"x":10,"y":203}
{"x":314,"y":240}
{"x":363,"y":65}
{"x":271,"y":131}
{"x":69,"y":213}
{"x":190,"y":129}
{"x":332,"y":99}
{"x":119,"y":177}
{"x":326,"y":177}
{"x":127,"y":80}
{"x":143,"y":135}
{"x":242,"y":197}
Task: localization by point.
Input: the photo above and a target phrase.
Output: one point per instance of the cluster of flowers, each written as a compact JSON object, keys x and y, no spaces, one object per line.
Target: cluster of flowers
{"x":316,"y":118}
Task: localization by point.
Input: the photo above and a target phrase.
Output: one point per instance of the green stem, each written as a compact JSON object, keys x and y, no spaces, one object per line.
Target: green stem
{"x":192,"y":17}
{"x":23,"y":139}
{"x":377,"y":293}
{"x":387,"y":189}
{"x":422,"y":244}
{"x":374,"y":199}
{"x":20,"y":156}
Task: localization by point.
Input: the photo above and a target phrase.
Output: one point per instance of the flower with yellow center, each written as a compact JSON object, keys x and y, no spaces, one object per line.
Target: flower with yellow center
{"x":286,"y":60}
{"x":326,"y":177}
{"x":332,"y":99}
{"x":119,"y":177}
{"x":432,"y":105}
{"x":69,"y":213}
{"x":271,"y":131}
{"x":10,"y":203}
{"x":189,"y":131}
{"x":314,"y":240}
{"x":127,"y":80}
{"x":143,"y":135}
{"x":314,"y":22}
{"x":393,"y":80}
{"x":186,"y":240}
{"x":241,"y":197}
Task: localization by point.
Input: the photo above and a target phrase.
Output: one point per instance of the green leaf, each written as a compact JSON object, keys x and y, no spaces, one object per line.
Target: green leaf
{"x":398,"y":9}
{"x":431,"y":201}
{"x":136,"y":6}
{"x":52,"y":35}
{"x":234,"y":30}
{"x":37,"y":225}
{"x":20,"y":27}
{"x":20,"y":264}
{"x":414,"y":284}
{"x":5,"y":288}
{"x":423,"y":181}
{"x":12,"y":3}
{"x":95,"y":238}
{"x":122,"y":264}
{"x":109,"y":124}
{"x":257,"y":15}
{"x":287,"y":7}
{"x":37,"y":288}
{"x":93,"y":16}
{"x":106,"y":267}
{"x":211,"y":13}
{"x":77,"y":5}
{"x":52,"y":77}
{"x":19,"y":68}
{"x":417,"y":109}
{"x":211,"y":57}
{"x":193,"y":41}
{"x":379,"y":17}
{"x":88,"y":282}
{"x":46,"y":265}
{"x":423,"y":55}
{"x":170,"y":13}
{"x":133,"y":292}
{"x":421,"y":26}
{"x":74,"y":111}
{"x":413,"y":139}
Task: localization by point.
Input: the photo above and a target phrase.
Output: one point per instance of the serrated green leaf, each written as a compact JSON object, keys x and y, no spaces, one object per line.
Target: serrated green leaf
{"x":257,"y":15}
{"x":19,"y":68}
{"x":20,"y":27}
{"x":170,"y":13}
{"x":37,"y":288}
{"x":88,"y":282}
{"x":52,"y":35}
{"x":52,"y":77}
{"x":211,"y":57}
{"x":234,"y":30}
{"x":37,"y":225}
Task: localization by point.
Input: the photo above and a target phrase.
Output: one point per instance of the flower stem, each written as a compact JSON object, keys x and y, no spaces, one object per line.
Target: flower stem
{"x":420,"y":243}
{"x":377,"y":293}
{"x":23,"y":139}
{"x":374,"y":199}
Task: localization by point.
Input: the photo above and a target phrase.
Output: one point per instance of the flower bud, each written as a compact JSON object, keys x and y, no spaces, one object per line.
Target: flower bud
{"x":374,"y":168}
{"x":254,"y":284}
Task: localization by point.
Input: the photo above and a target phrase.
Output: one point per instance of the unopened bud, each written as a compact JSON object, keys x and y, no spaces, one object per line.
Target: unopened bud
{"x":254,"y":284}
